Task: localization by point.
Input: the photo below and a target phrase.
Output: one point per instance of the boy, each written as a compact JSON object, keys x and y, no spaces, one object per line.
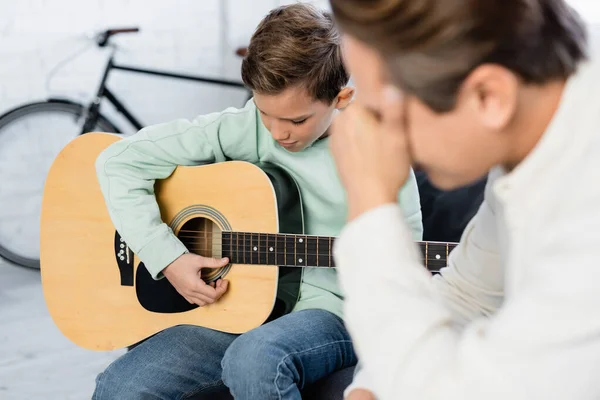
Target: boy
{"x":474,"y":86}
{"x":294,"y":68}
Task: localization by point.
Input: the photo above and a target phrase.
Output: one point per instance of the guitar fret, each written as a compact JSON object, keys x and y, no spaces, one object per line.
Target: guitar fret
{"x":270,"y":250}
{"x":322,"y":252}
{"x":276,"y":253}
{"x":426,"y":255}
{"x":290,"y":254}
{"x":312,"y":251}
{"x":330,"y":265}
{"x":234,"y":248}
{"x":233,"y":253}
{"x":306,"y":251}
{"x":227,"y":249}
{"x":248,"y":248}
{"x":300,"y":251}
{"x":225,"y":245}
{"x":241,"y":250}
{"x":446,"y":253}
{"x":252,"y":251}
{"x":263,"y":249}
{"x":280,"y":243}
{"x":242,"y":255}
{"x":266,"y":252}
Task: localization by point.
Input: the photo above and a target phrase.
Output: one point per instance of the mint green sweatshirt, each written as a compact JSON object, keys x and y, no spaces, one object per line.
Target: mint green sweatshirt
{"x":128,"y":168}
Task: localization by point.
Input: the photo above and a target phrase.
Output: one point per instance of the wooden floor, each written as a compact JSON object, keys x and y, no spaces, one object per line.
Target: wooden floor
{"x":36,"y":360}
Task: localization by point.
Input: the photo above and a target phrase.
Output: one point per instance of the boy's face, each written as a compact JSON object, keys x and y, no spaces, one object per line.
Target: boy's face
{"x":453,"y":148}
{"x":295,"y":119}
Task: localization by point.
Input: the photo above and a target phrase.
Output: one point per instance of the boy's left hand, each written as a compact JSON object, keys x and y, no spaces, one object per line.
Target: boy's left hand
{"x":371,"y":155}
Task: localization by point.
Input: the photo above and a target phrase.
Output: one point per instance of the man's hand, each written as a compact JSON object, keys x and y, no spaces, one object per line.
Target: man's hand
{"x":360,"y":394}
{"x":371,"y":155}
{"x":184,"y":275}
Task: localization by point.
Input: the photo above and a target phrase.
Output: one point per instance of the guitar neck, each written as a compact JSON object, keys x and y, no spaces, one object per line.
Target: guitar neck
{"x":290,"y":250}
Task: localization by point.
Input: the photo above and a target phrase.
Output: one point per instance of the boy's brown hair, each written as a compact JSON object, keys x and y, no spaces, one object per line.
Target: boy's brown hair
{"x":296,"y":45}
{"x":431,"y":46}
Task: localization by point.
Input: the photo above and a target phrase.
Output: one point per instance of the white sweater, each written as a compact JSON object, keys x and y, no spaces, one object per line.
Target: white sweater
{"x":516,"y":315}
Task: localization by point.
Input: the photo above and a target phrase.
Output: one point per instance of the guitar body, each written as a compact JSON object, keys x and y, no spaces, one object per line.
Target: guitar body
{"x":98,"y":292}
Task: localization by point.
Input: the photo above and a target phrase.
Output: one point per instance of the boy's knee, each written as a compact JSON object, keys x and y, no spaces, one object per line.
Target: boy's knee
{"x":107,"y":387}
{"x":117,"y":382}
{"x":251,"y":361}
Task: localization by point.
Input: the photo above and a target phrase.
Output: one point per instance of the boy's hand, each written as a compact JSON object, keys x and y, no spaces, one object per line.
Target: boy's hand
{"x":371,"y":155}
{"x":360,"y":394}
{"x":184,"y":275}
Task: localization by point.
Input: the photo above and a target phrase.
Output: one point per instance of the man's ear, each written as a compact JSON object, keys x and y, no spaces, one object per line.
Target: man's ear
{"x":344,"y":97}
{"x":493,"y":92}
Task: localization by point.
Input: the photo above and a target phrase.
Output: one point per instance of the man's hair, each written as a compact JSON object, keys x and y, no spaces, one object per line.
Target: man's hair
{"x":296,"y":45}
{"x":431,"y":46}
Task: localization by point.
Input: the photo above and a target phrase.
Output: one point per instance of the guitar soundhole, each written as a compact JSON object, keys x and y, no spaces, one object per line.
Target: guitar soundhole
{"x":203,"y":237}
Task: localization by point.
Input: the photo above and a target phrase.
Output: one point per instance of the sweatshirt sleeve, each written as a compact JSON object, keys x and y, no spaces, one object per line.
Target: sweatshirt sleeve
{"x":128,"y":169}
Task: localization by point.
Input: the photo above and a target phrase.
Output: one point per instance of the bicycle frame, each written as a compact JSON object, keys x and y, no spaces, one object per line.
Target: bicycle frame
{"x":93,"y":110}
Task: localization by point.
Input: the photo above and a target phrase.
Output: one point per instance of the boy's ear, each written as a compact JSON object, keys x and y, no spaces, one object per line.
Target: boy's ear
{"x":344,"y":97}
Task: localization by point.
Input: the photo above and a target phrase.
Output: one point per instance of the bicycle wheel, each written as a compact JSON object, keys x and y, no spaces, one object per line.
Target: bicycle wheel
{"x":31,"y":136}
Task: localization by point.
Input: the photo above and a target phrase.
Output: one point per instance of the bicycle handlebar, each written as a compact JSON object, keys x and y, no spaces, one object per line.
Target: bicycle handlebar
{"x":103,"y":37}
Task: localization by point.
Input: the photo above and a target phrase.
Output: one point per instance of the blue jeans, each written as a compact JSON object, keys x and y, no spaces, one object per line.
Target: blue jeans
{"x":273,"y":361}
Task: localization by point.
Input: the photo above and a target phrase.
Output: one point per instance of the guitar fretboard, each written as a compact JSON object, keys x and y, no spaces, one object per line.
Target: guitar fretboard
{"x":289,"y":250}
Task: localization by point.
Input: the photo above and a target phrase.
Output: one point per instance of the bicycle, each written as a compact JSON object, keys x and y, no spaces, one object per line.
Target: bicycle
{"x":19,"y":239}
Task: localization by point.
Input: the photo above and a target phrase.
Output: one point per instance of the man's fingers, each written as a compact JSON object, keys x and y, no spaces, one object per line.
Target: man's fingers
{"x":337,"y":126}
{"x":360,"y":394}
{"x":393,"y":120}
{"x":392,"y":108}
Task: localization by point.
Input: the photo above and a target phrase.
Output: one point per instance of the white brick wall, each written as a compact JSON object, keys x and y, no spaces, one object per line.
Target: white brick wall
{"x":191,"y":36}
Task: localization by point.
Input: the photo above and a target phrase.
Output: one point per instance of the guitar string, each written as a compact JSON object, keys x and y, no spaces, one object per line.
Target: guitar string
{"x":288,"y":235}
{"x":291,"y":236}
{"x":276,"y":243}
{"x":265,"y":254}
{"x":273,"y":243}
{"x":299,"y":253}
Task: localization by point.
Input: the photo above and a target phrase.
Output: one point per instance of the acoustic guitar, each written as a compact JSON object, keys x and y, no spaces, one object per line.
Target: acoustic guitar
{"x":102,"y":297}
